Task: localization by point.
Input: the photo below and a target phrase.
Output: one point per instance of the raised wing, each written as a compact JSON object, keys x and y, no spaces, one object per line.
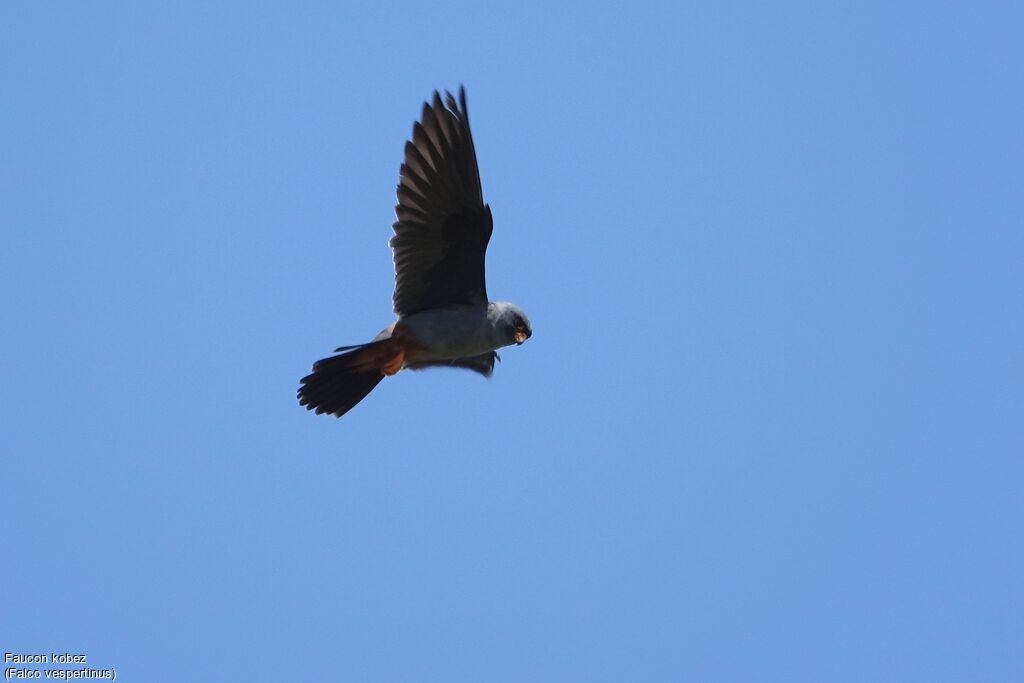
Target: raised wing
{"x":443,"y":224}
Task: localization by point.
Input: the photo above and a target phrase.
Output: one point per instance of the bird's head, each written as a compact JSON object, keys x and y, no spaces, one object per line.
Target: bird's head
{"x":511,"y":323}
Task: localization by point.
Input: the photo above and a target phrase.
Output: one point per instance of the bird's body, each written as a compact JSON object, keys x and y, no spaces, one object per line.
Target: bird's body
{"x":459,"y":332}
{"x":441,"y":236}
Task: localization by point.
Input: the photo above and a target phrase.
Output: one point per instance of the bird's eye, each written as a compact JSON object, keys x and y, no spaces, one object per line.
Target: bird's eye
{"x":520,"y":324}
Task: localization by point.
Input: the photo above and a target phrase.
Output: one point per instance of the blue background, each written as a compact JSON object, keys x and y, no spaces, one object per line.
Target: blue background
{"x":770,"y":424}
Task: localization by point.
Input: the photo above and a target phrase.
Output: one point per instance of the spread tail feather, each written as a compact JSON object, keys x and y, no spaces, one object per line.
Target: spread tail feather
{"x":338,"y":383}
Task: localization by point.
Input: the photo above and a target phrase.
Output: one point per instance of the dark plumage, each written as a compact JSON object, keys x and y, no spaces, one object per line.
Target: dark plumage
{"x":443,"y":225}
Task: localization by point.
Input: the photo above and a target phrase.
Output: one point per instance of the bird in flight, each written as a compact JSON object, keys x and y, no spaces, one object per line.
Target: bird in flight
{"x":440,"y":240}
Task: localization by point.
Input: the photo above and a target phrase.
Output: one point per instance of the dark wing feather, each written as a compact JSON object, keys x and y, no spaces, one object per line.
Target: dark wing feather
{"x":443,"y":224}
{"x":484,"y":363}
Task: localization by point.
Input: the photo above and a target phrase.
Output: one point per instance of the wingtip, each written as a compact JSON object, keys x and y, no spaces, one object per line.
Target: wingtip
{"x":462,"y":103}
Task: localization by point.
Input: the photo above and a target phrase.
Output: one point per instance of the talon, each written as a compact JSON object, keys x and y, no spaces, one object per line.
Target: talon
{"x":394,"y":365}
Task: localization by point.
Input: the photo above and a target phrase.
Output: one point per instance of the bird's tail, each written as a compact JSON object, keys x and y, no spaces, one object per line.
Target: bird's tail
{"x":338,"y":383}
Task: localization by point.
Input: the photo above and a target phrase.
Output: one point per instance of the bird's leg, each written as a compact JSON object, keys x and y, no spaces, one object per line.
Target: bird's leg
{"x":394,"y":365}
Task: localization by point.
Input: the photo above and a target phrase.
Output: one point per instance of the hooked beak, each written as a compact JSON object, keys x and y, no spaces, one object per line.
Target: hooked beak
{"x":521,"y":336}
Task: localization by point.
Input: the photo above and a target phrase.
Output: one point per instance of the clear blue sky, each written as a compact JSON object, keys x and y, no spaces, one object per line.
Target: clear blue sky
{"x":769,"y":427}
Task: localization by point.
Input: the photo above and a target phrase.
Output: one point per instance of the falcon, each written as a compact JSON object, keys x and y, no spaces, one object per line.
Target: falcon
{"x":444,"y":316}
